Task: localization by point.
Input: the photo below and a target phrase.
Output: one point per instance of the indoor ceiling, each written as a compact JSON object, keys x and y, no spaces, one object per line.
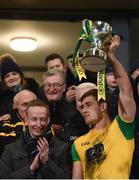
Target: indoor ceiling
{"x":55,"y":24}
{"x":59,"y":37}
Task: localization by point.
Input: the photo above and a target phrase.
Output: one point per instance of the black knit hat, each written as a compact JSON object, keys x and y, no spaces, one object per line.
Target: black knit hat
{"x":8,"y":65}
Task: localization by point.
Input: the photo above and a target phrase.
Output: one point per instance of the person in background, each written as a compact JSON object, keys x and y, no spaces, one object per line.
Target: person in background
{"x":37,"y":154}
{"x":32,"y":84}
{"x":54,"y":87}
{"x":55,"y":61}
{"x":52,"y":61}
{"x":66,"y":121}
{"x":106,"y":151}
{"x":21,"y":101}
{"x":12,"y":81}
{"x":15,"y":123}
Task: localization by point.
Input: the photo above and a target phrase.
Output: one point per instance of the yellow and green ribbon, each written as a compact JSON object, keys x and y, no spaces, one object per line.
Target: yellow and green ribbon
{"x":84,"y":35}
{"x":78,"y":70}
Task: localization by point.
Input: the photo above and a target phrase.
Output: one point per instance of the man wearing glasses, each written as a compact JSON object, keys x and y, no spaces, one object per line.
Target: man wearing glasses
{"x":64,"y":115}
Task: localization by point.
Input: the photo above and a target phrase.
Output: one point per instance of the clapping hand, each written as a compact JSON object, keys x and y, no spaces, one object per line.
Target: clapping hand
{"x":42,"y":156}
{"x":43,"y":148}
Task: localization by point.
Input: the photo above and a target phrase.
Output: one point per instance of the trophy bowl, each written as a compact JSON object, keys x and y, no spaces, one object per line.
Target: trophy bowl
{"x":95,"y":58}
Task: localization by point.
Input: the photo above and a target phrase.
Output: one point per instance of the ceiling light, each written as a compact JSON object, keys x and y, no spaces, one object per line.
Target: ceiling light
{"x":23,"y":44}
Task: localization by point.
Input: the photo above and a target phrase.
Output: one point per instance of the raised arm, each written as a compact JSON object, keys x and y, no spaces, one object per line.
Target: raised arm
{"x":126,"y":105}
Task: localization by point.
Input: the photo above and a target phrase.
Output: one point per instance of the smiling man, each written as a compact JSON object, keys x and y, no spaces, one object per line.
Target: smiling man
{"x":37,"y":154}
{"x":65,"y":119}
{"x":54,"y":84}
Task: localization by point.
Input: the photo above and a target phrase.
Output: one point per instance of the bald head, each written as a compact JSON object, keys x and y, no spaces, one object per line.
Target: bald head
{"x":24,"y":93}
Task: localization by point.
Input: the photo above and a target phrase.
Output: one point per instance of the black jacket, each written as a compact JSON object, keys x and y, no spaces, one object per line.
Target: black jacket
{"x":113,"y":102}
{"x":72,"y":80}
{"x":66,"y":114}
{"x":11,"y":129}
{"x":15,"y":162}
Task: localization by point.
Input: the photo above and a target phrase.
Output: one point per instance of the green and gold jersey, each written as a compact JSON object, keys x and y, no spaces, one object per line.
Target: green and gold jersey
{"x":106,"y":153}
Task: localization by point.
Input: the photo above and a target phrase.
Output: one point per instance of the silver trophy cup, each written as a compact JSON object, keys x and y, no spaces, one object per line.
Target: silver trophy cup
{"x":94,"y":59}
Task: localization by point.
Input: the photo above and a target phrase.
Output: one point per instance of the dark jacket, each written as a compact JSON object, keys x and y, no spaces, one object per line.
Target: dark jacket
{"x":15,"y":162}
{"x":66,"y":114}
{"x":32,"y":84}
{"x":72,"y":80}
{"x":6,"y":100}
{"x":113,"y":97}
{"x":11,"y":129}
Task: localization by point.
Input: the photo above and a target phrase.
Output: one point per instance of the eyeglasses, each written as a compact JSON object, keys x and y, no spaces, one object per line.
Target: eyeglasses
{"x":55,"y":85}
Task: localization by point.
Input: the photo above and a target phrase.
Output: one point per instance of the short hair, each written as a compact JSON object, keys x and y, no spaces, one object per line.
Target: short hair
{"x":53,"y":56}
{"x":40,"y":103}
{"x":91,"y":92}
{"x":94,"y":93}
{"x":55,"y":72}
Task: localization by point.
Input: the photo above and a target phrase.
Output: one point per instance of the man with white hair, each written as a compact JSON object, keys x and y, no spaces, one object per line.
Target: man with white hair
{"x":106,"y":151}
{"x":21,"y":100}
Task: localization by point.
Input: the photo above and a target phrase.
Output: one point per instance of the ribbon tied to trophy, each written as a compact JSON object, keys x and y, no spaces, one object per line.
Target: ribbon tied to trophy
{"x":98,"y":34}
